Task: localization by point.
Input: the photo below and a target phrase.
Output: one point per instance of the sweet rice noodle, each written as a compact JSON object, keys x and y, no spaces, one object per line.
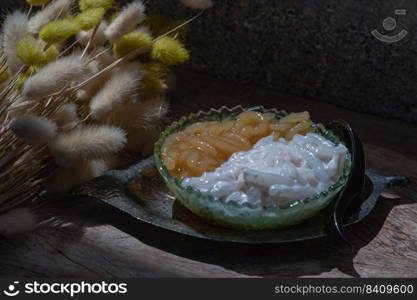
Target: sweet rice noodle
{"x":204,"y":146}
{"x":275,"y":171}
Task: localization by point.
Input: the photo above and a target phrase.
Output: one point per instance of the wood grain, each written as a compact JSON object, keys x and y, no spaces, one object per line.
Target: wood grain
{"x":101,"y":242}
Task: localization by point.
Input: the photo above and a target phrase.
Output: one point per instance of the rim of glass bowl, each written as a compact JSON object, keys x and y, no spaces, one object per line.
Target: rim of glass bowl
{"x":224,"y":113}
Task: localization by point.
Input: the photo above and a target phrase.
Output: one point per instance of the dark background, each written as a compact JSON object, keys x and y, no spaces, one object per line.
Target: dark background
{"x":317,"y":49}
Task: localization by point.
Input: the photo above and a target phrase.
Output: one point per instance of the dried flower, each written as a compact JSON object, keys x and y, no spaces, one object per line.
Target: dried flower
{"x":4,"y":74}
{"x":169,"y":51}
{"x":117,"y":90}
{"x":15,"y":27}
{"x":49,"y":131}
{"x":153,"y":80}
{"x":54,"y":10}
{"x":106,"y":57}
{"x":17,"y":221}
{"x":59,"y":31}
{"x":37,"y":2}
{"x":129,"y":17}
{"x":34,"y":129}
{"x":55,"y":76}
{"x":153,"y":110}
{"x":90,"y":17}
{"x":23,"y":77}
{"x":88,"y":4}
{"x":138,"y":39}
{"x":156,"y":69}
{"x":198,"y":4}
{"x":65,"y":179}
{"x":141,"y":119}
{"x":99,"y":37}
{"x":91,"y":89}
{"x":139,"y":114}
{"x":89,"y":142}
{"x":31,"y":51}
{"x":66,"y":116}
{"x":50,"y":54}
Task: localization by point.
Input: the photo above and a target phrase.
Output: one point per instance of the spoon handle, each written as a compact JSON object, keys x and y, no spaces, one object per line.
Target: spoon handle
{"x":353,"y":187}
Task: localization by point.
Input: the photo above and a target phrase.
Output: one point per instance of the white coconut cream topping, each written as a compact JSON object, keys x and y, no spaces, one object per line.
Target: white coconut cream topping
{"x":275,"y":171}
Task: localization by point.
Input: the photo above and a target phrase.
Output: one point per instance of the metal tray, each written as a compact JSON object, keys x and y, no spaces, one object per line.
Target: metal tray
{"x":140,"y":192}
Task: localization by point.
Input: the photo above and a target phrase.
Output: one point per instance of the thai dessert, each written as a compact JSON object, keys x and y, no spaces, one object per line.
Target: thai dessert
{"x":203,"y":146}
{"x":255,"y":170}
{"x":275,"y":171}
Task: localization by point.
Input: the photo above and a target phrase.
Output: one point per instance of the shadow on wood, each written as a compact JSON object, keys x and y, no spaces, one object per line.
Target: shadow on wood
{"x":307,"y":258}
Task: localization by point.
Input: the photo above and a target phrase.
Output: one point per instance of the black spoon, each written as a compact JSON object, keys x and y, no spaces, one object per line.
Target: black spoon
{"x":353,"y":187}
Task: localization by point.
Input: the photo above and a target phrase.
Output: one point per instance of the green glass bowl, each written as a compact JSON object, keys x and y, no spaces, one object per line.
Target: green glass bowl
{"x":246,"y":215}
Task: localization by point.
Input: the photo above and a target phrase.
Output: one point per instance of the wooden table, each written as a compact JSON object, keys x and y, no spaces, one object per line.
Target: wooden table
{"x":98,"y":242}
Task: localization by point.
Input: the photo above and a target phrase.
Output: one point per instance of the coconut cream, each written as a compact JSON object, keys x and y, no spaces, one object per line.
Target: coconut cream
{"x":275,"y":171}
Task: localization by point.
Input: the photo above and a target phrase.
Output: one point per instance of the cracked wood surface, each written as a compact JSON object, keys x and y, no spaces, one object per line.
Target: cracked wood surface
{"x":101,"y":242}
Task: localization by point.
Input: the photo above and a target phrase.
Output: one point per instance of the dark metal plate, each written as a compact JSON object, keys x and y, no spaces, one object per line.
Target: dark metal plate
{"x":140,"y":192}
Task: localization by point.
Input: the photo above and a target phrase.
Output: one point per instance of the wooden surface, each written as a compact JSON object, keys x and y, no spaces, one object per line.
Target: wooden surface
{"x":96,"y":241}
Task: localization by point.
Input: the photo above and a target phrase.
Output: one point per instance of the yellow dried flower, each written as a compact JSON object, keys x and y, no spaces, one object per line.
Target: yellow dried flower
{"x":153,"y":80}
{"x":132,"y":41}
{"x":180,"y":33}
{"x":25,"y":76}
{"x":151,"y":86}
{"x":31,"y":51}
{"x":155,"y":22}
{"x":90,"y":17}
{"x":37,"y":2}
{"x":59,"y":31}
{"x":156,"y":69}
{"x":51,"y":54}
{"x":88,"y":4}
{"x":4,"y":74}
{"x":21,"y":81}
{"x":169,"y":51}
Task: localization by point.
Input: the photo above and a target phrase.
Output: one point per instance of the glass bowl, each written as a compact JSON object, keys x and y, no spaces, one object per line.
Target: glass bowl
{"x":246,"y":215}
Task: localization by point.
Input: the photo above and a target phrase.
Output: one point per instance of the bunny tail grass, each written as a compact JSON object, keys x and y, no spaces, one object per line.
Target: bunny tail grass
{"x":169,"y":51}
{"x":55,"y":76}
{"x":17,"y":221}
{"x":59,"y":31}
{"x":65,"y":179}
{"x":89,"y":142}
{"x":33,"y":129}
{"x":134,"y":116}
{"x":31,"y":51}
{"x":56,"y":9}
{"x":90,"y":18}
{"x":129,"y":17}
{"x":37,"y":2}
{"x":92,"y":88}
{"x":153,"y":111}
{"x":66,"y":116}
{"x":117,"y":90}
{"x":142,"y":121}
{"x":99,"y":38}
{"x":15,"y":27}
{"x":89,"y":4}
{"x":138,"y":39}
